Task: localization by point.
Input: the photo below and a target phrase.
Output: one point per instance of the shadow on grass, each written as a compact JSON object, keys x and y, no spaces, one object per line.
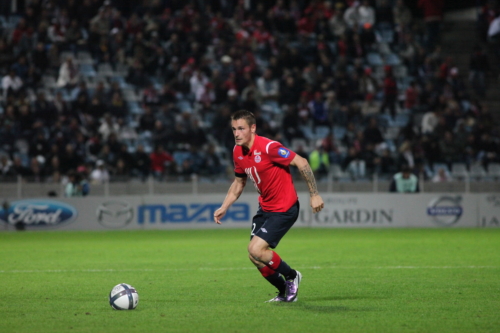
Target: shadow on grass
{"x":310,"y":304}
{"x":340,"y":298}
{"x":324,"y":308}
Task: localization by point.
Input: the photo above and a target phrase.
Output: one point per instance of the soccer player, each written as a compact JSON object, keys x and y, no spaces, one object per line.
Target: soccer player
{"x":266,"y":163}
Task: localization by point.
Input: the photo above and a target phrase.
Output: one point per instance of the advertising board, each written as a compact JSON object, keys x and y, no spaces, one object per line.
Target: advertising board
{"x":392,"y":210}
{"x":489,"y":210}
{"x":125,"y":212}
{"x":347,"y":210}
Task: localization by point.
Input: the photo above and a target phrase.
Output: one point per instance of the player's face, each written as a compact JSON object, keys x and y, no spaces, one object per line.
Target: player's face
{"x":243,"y":133}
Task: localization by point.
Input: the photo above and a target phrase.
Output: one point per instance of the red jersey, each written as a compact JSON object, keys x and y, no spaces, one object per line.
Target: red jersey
{"x":267,"y":165}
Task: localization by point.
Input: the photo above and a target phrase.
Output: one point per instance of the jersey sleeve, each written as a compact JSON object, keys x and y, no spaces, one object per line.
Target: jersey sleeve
{"x":238,"y":170}
{"x":279,"y":154}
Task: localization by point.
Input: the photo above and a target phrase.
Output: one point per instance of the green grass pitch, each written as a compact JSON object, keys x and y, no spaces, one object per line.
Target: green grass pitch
{"x":354,"y":280}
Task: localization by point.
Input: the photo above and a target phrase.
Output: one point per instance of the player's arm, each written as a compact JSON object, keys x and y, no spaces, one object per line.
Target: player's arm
{"x":233,"y":194}
{"x":307,"y":174}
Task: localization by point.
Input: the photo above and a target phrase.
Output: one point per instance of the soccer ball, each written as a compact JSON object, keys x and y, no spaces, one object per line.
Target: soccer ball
{"x":123,"y":297}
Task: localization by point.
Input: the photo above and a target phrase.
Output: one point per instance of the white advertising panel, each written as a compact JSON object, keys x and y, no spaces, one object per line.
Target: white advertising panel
{"x":441,"y":210}
{"x":489,"y":210}
{"x":190,"y":211}
{"x":353,"y":210}
{"x":126,"y":212}
{"x":392,"y":210}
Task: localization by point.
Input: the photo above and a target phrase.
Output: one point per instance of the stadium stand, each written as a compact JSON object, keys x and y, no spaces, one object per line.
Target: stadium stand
{"x":156,"y":74}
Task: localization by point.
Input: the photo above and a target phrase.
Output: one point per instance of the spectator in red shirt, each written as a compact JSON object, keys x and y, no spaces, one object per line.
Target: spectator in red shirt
{"x":433,"y":15}
{"x":134,"y":25}
{"x":444,"y":69}
{"x":22,"y":30}
{"x":411,"y":96}
{"x":160,"y":160}
{"x":306,"y":24}
{"x":342,"y":45}
{"x":390,"y":92}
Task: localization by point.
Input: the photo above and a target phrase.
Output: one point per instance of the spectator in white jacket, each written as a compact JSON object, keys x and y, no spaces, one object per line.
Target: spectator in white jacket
{"x":337,"y":23}
{"x":100,"y":174}
{"x":268,"y":86}
{"x":357,"y":15}
{"x":429,"y":122}
{"x":366,"y":14}
{"x":197,"y":82}
{"x":68,"y":74}
{"x":11,"y":83}
{"x":108,"y":126}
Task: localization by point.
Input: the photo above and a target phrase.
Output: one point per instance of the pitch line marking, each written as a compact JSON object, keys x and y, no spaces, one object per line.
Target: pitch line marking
{"x":234,"y":269}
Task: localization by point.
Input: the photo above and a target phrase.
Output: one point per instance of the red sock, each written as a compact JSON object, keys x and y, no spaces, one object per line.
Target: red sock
{"x":275,"y":261}
{"x":266,"y":271}
{"x":278,"y":265}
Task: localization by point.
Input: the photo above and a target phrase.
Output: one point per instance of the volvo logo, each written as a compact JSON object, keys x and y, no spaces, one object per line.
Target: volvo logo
{"x":114,"y":214}
{"x":445,"y":210}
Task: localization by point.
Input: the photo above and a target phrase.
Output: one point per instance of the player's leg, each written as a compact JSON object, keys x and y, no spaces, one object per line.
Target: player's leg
{"x":272,"y":267}
{"x":261,"y":254}
{"x":273,"y":277}
{"x":268,"y":236}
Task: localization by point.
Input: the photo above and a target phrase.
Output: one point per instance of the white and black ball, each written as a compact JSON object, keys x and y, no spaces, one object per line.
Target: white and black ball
{"x":123,"y":297}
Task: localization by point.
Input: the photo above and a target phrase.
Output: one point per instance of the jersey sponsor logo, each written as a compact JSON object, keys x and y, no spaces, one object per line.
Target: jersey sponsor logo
{"x":254,"y":176}
{"x":283,"y":152}
{"x":257,"y":159}
{"x":250,"y":172}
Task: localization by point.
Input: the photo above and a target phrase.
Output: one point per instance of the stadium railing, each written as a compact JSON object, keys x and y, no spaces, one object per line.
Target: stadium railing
{"x":20,"y":188}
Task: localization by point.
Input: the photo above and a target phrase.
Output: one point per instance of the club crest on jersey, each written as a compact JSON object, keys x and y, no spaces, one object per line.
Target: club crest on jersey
{"x":257,"y":159}
{"x":283,"y":152}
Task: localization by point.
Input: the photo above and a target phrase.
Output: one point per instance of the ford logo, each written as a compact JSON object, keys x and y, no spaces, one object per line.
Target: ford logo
{"x":38,"y":213}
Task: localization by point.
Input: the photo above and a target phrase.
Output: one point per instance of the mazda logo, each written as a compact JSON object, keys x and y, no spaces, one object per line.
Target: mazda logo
{"x":114,"y":214}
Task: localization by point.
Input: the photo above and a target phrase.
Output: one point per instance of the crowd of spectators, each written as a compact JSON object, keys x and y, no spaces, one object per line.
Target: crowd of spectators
{"x":489,"y":32}
{"x":120,"y":89}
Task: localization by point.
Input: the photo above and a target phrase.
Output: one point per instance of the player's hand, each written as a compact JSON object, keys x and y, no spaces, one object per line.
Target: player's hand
{"x":317,"y":203}
{"x":219,"y":214}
